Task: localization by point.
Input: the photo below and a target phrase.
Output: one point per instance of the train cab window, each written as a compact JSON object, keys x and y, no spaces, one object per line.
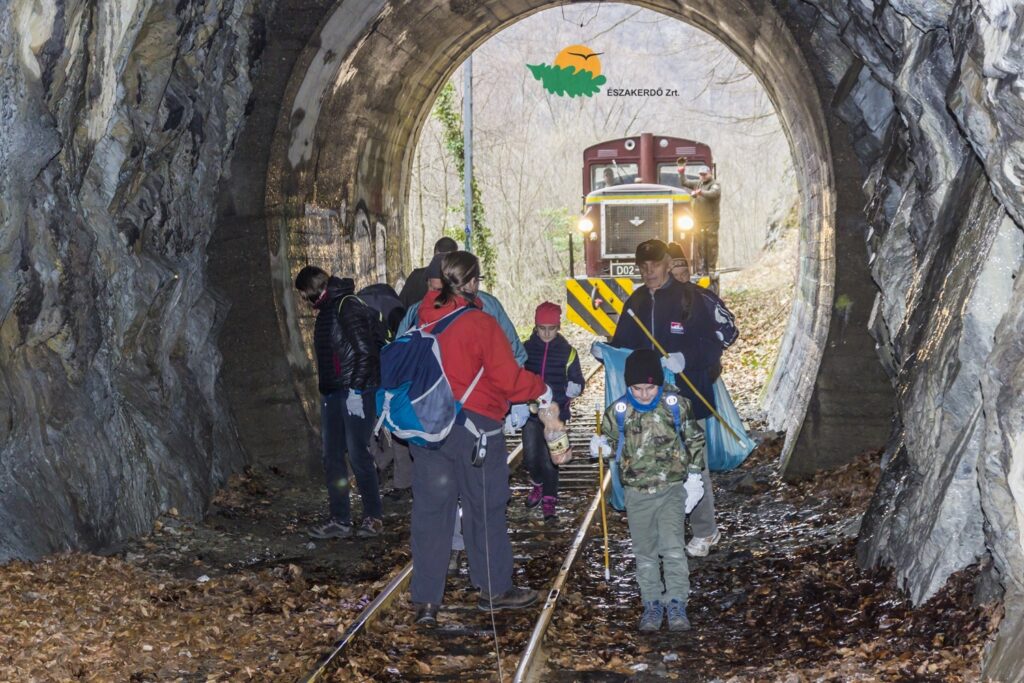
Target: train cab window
{"x":668,"y":174}
{"x":608,"y":175}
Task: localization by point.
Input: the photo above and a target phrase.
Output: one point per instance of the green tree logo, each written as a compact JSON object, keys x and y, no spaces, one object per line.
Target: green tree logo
{"x":576,"y":72}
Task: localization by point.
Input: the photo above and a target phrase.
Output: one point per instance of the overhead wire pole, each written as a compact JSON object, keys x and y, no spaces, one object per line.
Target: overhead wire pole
{"x":467,"y":147}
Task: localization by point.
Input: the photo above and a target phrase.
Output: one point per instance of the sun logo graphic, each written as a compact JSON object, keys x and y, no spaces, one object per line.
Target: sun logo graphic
{"x":576,"y":72}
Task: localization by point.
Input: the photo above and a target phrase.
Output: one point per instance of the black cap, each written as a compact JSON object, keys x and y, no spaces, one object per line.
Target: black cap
{"x":643,"y":366}
{"x":675,"y":251}
{"x":434,"y":267}
{"x":651,"y":250}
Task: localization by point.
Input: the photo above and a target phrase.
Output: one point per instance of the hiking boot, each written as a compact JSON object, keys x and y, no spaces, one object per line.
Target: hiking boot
{"x":513,"y":598}
{"x":533,"y":499}
{"x":677,"y":620}
{"x":370,"y":527}
{"x":548,"y":507}
{"x":650,"y":620}
{"x":700,"y":546}
{"x":332,"y":528}
{"x":426,"y":615}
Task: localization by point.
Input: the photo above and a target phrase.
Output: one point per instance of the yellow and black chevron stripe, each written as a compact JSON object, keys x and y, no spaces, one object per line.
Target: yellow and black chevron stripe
{"x":595,"y":303}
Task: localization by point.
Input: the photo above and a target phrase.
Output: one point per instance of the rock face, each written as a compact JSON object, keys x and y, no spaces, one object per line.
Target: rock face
{"x":166,"y":164}
{"x":119,"y":118}
{"x":937,"y":118}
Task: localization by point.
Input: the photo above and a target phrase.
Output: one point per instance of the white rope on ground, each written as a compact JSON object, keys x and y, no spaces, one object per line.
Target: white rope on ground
{"x":487,"y":564}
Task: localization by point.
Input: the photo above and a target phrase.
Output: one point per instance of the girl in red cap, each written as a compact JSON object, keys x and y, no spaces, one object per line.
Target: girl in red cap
{"x":556,"y":361}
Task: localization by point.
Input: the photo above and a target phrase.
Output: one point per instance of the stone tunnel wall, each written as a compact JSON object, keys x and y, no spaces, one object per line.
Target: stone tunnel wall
{"x":119,"y":119}
{"x":123,"y":120}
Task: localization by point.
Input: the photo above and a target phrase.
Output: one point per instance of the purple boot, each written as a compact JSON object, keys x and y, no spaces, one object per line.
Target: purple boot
{"x":548,"y":506}
{"x":533,"y":499}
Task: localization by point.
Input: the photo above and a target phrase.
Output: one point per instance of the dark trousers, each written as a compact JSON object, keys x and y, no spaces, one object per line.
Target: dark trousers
{"x":537,"y":457}
{"x":439,"y":479}
{"x":344,"y":434}
{"x":709,"y":245}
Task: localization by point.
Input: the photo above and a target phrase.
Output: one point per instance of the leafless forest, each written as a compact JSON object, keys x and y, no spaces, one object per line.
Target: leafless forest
{"x":528,"y":143}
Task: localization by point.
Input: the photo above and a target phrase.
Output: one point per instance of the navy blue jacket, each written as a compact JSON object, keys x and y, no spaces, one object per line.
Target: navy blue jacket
{"x":557,"y":363}
{"x":687,"y":318}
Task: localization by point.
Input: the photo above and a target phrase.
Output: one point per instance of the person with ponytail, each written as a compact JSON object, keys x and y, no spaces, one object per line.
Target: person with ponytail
{"x":473,"y":349}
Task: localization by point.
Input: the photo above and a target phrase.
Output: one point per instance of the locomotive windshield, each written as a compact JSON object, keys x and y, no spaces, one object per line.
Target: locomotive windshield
{"x":668,"y":174}
{"x":609,"y":175}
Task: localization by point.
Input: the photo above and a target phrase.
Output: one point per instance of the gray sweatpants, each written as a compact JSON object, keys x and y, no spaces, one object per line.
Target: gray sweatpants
{"x":702,"y":517}
{"x":442,"y":477}
{"x":657,"y":528}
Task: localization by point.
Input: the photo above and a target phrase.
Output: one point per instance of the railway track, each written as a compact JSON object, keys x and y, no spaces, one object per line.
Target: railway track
{"x":467,"y":645}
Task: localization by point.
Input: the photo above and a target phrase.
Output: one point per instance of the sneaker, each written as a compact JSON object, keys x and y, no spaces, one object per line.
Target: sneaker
{"x":548,"y":506}
{"x":700,"y":546}
{"x":677,"y":620}
{"x":650,"y":620}
{"x":370,"y":527}
{"x":332,"y":528}
{"x":535,"y":495}
{"x":513,"y":598}
{"x":426,"y":615}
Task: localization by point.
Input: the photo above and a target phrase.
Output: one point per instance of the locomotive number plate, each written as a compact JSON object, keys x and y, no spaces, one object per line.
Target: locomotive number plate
{"x":623,"y":269}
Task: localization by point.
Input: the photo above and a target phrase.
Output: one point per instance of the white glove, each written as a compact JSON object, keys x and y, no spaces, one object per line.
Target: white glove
{"x":519,"y":414}
{"x":694,"y":491}
{"x":599,"y":447}
{"x":596,"y":352}
{"x":354,"y":404}
{"x":545,"y":399}
{"x":573,"y":390}
{"x":674,"y":362}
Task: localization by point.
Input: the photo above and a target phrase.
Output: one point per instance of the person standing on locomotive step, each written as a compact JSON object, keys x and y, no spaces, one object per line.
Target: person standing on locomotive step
{"x":694,"y":331}
{"x":556,"y":362}
{"x":471,"y":344}
{"x":348,"y":365}
{"x":707,"y":194}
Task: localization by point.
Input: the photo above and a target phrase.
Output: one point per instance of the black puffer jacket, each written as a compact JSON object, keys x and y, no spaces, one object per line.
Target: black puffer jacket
{"x":347,"y":352}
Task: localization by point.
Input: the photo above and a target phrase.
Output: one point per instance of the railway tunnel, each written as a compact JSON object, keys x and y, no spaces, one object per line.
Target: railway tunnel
{"x":167,"y":167}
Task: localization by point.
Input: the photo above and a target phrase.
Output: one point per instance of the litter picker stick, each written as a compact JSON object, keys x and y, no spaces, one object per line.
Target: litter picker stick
{"x":600,"y":491}
{"x":643,"y":328}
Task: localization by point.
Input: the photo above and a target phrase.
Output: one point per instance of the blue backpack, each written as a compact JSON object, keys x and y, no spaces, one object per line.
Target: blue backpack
{"x":618,"y":499}
{"x":415,"y":400}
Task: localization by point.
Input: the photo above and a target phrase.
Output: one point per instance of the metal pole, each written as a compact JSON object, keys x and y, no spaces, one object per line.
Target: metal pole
{"x":572,"y":260}
{"x":467,"y":151}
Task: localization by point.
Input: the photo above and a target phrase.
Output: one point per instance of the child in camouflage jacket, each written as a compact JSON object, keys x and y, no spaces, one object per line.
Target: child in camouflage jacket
{"x":661,"y":463}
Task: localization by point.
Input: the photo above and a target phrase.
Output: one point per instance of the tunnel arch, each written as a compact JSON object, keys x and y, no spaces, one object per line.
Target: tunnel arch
{"x":332,"y":162}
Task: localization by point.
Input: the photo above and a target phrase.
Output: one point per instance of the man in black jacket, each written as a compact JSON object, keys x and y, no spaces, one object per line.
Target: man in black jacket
{"x":416,"y":284}
{"x":347,"y":348}
{"x":694,"y":327}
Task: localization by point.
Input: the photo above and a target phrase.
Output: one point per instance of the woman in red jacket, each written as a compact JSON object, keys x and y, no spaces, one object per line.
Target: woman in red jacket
{"x":472,"y":342}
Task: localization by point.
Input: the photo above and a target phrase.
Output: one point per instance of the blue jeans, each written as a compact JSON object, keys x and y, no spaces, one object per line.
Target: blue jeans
{"x":345,"y":434}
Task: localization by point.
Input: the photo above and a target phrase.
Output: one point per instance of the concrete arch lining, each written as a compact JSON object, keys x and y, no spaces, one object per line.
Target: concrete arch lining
{"x":353,"y":108}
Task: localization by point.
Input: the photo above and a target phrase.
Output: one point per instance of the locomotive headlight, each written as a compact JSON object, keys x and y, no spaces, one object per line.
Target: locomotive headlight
{"x":685,"y":222}
{"x":585,"y":225}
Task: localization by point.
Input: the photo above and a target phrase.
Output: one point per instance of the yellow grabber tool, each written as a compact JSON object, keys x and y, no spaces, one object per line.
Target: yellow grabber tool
{"x":686,"y":379}
{"x":600,"y":490}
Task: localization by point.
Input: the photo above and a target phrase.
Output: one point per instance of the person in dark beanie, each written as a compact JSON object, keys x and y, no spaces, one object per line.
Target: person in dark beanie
{"x":661,"y":446}
{"x":694,"y":327}
{"x":416,"y":284}
{"x":554,"y":359}
{"x":347,"y":353}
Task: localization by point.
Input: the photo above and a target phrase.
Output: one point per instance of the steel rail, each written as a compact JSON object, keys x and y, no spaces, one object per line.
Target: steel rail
{"x":528,"y":659}
{"x":388,"y":594}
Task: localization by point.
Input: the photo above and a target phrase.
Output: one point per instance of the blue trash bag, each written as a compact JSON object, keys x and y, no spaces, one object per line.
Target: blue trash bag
{"x":724,"y":452}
